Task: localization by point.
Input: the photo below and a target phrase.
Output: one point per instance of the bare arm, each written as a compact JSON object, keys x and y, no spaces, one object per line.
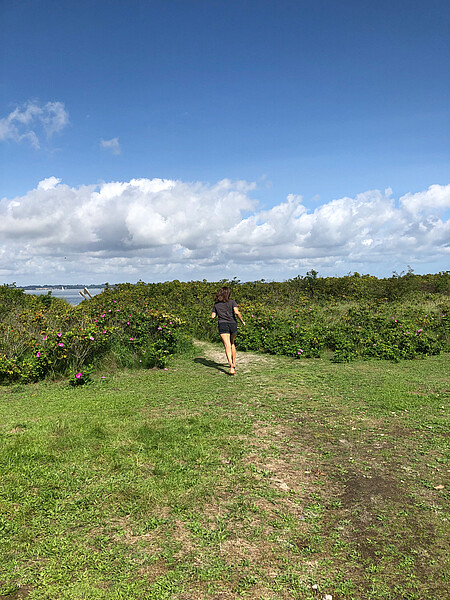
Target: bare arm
{"x":238,"y":314}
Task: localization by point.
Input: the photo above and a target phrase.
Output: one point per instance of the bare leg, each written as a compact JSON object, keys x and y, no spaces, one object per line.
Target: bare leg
{"x":227,"y":345}
{"x":233,"y":349}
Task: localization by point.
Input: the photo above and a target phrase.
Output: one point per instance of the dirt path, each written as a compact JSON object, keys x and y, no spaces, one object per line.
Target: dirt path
{"x":245,"y":360}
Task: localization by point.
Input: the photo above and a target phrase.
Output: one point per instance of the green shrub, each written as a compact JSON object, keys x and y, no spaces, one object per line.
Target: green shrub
{"x":144,"y":325}
{"x":58,"y":339}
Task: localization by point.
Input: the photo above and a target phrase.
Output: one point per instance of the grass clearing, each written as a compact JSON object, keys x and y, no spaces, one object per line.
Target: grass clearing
{"x":294,"y":479}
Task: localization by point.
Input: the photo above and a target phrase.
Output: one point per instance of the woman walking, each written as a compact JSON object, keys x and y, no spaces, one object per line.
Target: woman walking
{"x":227,"y":311}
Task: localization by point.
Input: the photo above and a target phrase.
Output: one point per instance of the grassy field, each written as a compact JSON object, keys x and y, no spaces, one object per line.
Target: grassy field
{"x":295,"y":479}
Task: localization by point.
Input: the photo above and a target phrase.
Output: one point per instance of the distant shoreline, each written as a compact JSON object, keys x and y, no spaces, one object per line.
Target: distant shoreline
{"x":71,"y":294}
{"x":61,"y":286}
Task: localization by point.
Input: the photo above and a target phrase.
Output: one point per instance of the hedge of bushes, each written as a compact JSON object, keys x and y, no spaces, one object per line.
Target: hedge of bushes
{"x":302,"y":317}
{"x":40,"y":338}
{"x":143,"y":325}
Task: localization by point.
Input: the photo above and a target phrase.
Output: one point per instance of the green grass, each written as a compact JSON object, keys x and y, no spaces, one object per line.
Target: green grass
{"x":294,"y":479}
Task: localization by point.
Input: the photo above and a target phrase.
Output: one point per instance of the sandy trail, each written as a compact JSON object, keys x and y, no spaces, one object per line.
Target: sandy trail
{"x":244,"y":360}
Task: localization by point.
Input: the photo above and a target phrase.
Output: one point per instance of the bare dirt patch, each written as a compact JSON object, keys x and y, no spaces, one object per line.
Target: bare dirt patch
{"x":17,"y":430}
{"x":361,"y":489}
{"x":244,"y":360}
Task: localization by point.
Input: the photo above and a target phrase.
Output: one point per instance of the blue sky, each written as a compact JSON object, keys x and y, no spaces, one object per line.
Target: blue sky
{"x":331,"y":116}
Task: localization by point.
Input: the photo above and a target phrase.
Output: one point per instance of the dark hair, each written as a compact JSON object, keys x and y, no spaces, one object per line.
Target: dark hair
{"x":223,"y":295}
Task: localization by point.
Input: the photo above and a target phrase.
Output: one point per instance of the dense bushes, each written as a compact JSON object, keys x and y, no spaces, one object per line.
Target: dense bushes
{"x":143,"y":325}
{"x":36,"y":341}
{"x":367,"y":331}
{"x":404,"y":316}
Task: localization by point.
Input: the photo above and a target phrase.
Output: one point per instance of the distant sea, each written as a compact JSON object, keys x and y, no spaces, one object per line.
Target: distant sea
{"x":72,"y":296}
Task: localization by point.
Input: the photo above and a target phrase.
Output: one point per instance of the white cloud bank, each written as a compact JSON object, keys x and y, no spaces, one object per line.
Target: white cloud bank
{"x":162,"y":229}
{"x":29,"y":121}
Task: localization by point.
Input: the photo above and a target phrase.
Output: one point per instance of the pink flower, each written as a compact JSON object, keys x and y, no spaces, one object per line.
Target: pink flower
{"x":59,"y":334}
{"x":114,"y":301}
{"x":91,"y":338}
{"x":38,"y":355}
{"x":128,"y":322}
{"x":103,"y":315}
{"x":45,"y":337}
{"x":131,"y":339}
{"x":159,"y":328}
{"x":78,"y":375}
{"x":104,"y":331}
{"x":61,"y":345}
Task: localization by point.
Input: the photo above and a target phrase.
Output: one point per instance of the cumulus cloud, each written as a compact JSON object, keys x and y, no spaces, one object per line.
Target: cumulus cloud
{"x":30,"y":121}
{"x":156,"y":228}
{"x":436,"y":197}
{"x":49,"y":183}
{"x":112,"y":145}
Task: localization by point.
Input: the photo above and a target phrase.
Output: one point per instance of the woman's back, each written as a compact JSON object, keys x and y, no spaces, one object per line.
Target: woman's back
{"x":225,"y":311}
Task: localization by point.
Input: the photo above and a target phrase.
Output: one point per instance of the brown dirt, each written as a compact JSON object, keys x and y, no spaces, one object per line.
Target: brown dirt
{"x":244,"y":360}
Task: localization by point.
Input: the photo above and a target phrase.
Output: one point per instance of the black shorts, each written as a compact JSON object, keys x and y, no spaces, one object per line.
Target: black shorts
{"x":230,"y":328}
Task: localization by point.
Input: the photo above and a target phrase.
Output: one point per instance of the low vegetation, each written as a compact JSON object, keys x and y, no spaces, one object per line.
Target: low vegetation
{"x":143,"y":325}
{"x":44,"y":337}
{"x":134,"y":467}
{"x":294,"y":479}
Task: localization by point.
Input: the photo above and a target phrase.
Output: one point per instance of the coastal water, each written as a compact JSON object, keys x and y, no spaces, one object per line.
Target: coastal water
{"x":72,"y":296}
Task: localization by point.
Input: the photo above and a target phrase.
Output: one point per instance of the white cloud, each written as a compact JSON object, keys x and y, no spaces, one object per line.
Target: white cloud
{"x":165,"y":229}
{"x":29,"y":121}
{"x":112,"y":145}
{"x":49,"y":183}
{"x":435,"y":198}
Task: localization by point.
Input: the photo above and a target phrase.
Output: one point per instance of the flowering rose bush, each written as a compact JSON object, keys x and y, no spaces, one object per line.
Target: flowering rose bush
{"x":63,"y":339}
{"x":143,"y":325}
{"x":81,"y":377}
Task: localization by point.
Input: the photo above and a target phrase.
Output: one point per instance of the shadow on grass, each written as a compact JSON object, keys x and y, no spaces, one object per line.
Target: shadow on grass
{"x":211,"y":364}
